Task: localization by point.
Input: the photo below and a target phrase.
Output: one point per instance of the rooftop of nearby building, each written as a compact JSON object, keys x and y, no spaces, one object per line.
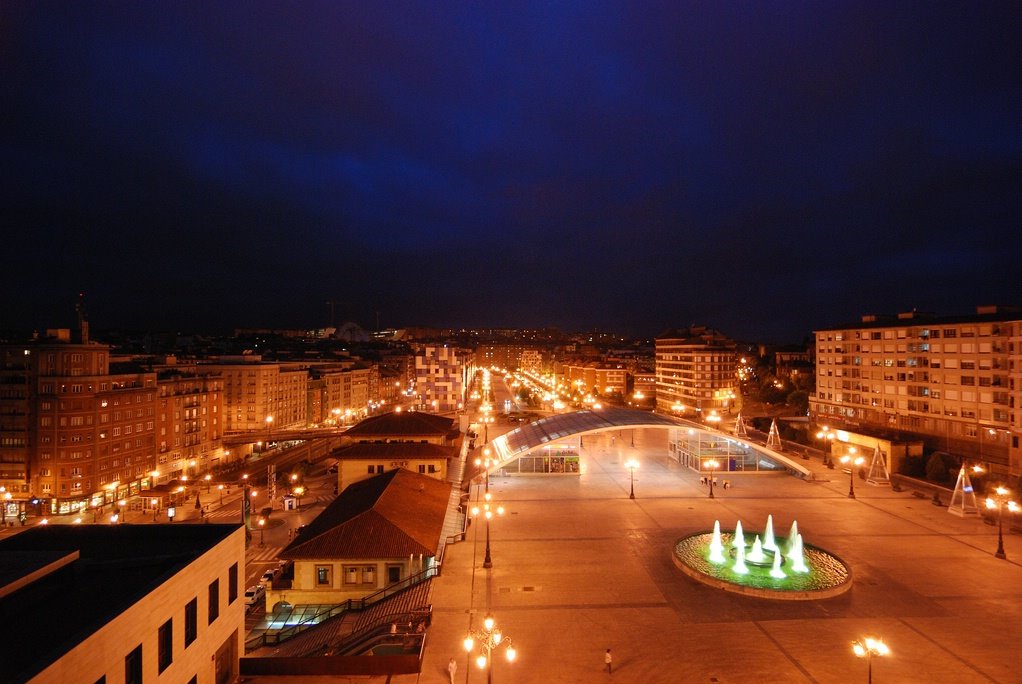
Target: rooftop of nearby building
{"x":984,"y":314}
{"x":393,"y":450}
{"x":391,"y":515}
{"x":59,"y":584}
{"x":402,"y":424}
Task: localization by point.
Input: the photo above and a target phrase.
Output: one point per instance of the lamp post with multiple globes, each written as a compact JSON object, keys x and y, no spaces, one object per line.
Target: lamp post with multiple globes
{"x":489,"y":638}
{"x":487,"y":510}
{"x":868,"y":647}
{"x":826,"y":435}
{"x":999,"y":500}
{"x":712,"y":466}
{"x":853,"y":462}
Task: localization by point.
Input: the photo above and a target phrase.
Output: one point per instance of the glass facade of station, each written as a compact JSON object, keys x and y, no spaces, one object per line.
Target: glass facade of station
{"x":555,"y":458}
{"x":693,"y":448}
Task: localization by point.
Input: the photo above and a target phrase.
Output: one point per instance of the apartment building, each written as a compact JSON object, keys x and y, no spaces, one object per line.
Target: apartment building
{"x":77,"y":431}
{"x":953,"y":382}
{"x":440,"y":378}
{"x":595,"y":377}
{"x":189,"y":422}
{"x":255,"y":391}
{"x":341,"y":392}
{"x":695,"y":372}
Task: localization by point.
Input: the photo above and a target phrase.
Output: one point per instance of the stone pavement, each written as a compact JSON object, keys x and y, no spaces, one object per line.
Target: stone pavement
{"x":578,"y":567}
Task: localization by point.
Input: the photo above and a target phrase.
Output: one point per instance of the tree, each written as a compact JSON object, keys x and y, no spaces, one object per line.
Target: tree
{"x":799,"y":400}
{"x":936,"y":469}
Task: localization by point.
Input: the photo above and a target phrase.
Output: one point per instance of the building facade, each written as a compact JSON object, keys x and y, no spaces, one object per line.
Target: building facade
{"x":695,"y":372}
{"x":440,"y":378}
{"x":255,"y":391}
{"x":953,"y":382}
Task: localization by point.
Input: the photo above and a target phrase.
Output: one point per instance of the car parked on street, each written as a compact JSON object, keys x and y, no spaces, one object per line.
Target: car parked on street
{"x":254,"y":594}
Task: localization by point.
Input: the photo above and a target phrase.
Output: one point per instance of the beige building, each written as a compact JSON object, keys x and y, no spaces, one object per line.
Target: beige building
{"x":189,"y":422}
{"x":364,"y":460}
{"x":953,"y":382}
{"x":695,"y":372}
{"x":255,"y":391}
{"x":377,"y":533}
{"x":594,"y":377}
{"x":123,"y":603}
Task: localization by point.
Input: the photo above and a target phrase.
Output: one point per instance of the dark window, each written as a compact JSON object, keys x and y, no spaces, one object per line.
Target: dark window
{"x":232,"y":584}
{"x":133,"y":666}
{"x":165,"y":645}
{"x":191,"y":621}
{"x":214,"y":600}
{"x":393,"y":574}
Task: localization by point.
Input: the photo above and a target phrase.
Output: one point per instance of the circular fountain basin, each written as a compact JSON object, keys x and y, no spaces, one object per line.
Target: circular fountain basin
{"x":828,"y":575}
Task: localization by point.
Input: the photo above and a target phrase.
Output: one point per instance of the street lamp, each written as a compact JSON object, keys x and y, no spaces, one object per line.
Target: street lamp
{"x":489,"y":638}
{"x":298,"y":494}
{"x":486,"y":462}
{"x":826,"y":435}
{"x":269,"y":422}
{"x":631,"y":464}
{"x":155,"y":503}
{"x":221,"y":488}
{"x":853,"y":463}
{"x":867,"y":648}
{"x":712,"y":466}
{"x":207,"y":479}
{"x":5,"y":500}
{"x":998,"y":500}
{"x":488,"y":510}
{"x":262,"y":526}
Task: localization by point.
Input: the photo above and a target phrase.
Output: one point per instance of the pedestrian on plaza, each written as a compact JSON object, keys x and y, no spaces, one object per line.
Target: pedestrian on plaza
{"x":608,"y":661}
{"x":452,"y":669}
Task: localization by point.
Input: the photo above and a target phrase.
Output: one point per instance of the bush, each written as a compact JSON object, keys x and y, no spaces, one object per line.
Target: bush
{"x":936,"y":469}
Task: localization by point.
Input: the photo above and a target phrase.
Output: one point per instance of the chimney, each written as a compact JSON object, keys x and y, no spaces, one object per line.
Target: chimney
{"x":83,"y":321}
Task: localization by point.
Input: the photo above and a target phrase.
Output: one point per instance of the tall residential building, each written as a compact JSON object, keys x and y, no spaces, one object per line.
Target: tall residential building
{"x":953,"y":382}
{"x":255,"y":391}
{"x":76,"y":430}
{"x":440,"y":378}
{"x":341,"y":392}
{"x":189,"y":422}
{"x":605,"y":379}
{"x":695,"y":371}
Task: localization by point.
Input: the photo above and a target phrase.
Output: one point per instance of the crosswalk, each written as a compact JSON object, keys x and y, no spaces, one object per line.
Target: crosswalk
{"x":262,"y":554}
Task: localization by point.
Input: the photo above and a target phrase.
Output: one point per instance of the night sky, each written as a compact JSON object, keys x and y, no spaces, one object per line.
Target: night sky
{"x":760,"y":167}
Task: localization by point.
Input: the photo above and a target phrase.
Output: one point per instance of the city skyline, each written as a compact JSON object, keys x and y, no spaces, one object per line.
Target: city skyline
{"x":764,"y":171}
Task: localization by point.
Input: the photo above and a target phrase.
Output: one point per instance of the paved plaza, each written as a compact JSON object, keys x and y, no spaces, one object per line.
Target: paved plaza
{"x":578,"y":567}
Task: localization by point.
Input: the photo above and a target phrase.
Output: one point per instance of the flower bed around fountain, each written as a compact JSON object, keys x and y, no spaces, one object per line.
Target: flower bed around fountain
{"x":794,"y":572}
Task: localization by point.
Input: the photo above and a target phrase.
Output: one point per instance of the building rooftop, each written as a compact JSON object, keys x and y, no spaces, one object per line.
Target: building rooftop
{"x":402,"y":424}
{"x":984,"y":314}
{"x":394,"y":514}
{"x":393,"y":450}
{"x":59,"y":584}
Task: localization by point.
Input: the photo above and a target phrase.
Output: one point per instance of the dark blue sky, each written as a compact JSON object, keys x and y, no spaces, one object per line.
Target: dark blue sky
{"x":764,"y":168}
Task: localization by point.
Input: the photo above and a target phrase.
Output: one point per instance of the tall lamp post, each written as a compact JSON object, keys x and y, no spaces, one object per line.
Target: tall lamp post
{"x":631,"y":464}
{"x":712,"y":466}
{"x":826,"y":435}
{"x":867,"y":648}
{"x":269,"y":423}
{"x":262,"y":527}
{"x":853,"y":463}
{"x":998,"y":501}
{"x":488,"y":510}
{"x":488,"y":638}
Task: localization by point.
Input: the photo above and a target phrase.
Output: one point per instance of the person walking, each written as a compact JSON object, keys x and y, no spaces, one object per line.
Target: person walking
{"x":609,"y":662}
{"x":452,"y":669}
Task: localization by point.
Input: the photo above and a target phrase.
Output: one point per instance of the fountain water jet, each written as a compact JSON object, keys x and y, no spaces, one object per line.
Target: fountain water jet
{"x":757,"y":555}
{"x":716,"y":546}
{"x":739,"y":566}
{"x":797,"y":557}
{"x":768,"y":535}
{"x":739,"y":540}
{"x":776,"y":571}
{"x":792,"y":534}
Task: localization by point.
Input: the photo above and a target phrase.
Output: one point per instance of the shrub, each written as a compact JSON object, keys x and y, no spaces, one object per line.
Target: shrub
{"x":936,"y":469}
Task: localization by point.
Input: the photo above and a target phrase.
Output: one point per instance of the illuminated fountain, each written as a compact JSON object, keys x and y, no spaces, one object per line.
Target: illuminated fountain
{"x":770,"y":567}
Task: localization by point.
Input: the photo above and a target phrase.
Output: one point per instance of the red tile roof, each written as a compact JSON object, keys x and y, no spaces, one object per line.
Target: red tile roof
{"x":393,"y":450}
{"x":402,"y":424}
{"x":391,"y":515}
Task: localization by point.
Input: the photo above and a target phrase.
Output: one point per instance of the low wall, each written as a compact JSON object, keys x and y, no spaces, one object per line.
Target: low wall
{"x":332,"y":665}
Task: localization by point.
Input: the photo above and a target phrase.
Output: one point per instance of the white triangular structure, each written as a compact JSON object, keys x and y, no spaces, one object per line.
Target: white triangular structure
{"x":878,"y":473}
{"x":740,"y":430}
{"x":774,"y":437}
{"x":963,"y":500}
